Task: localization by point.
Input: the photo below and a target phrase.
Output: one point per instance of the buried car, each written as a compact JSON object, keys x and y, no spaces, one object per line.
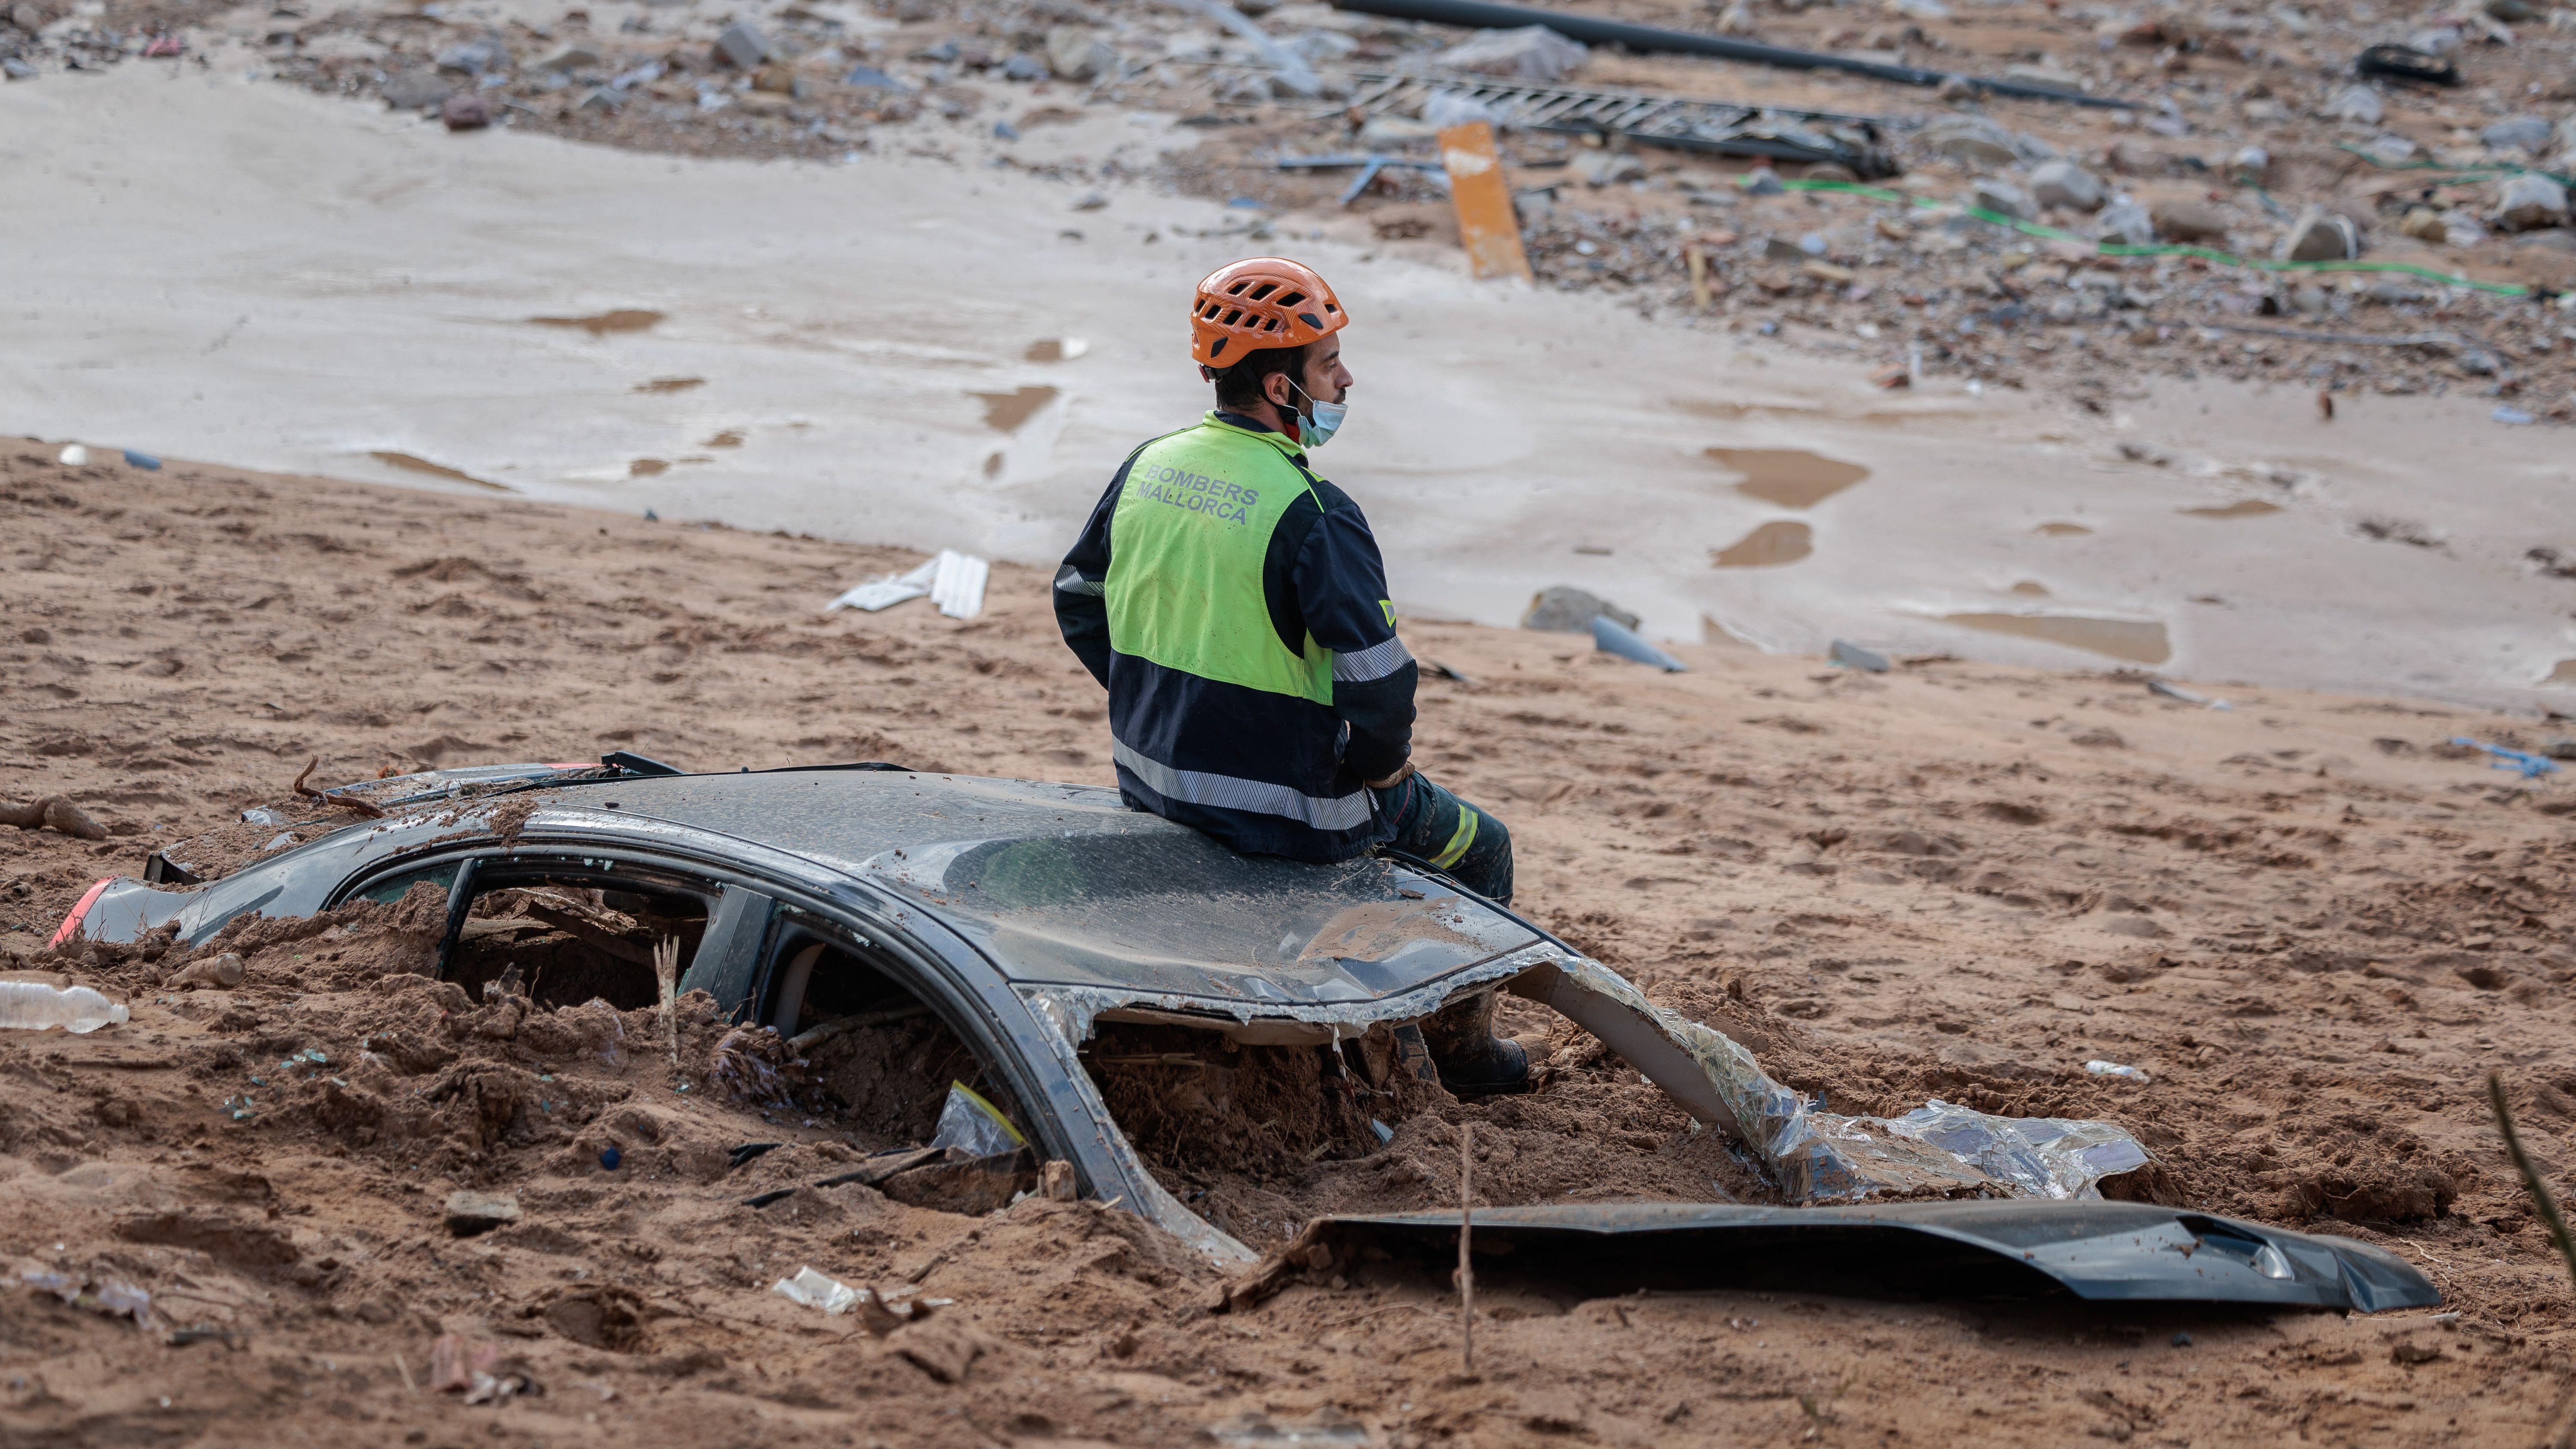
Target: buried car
{"x":1022,"y":918}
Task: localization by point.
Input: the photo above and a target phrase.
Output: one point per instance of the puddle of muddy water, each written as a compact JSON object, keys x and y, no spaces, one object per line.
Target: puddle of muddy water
{"x":1056,"y":349}
{"x":1004,"y":412}
{"x":599,"y":324}
{"x":2139,"y":642}
{"x":1777,"y":542}
{"x":2061,"y":530}
{"x":671,"y":384}
{"x":1788,"y":477}
{"x":410,"y":464}
{"x":2241,"y":508}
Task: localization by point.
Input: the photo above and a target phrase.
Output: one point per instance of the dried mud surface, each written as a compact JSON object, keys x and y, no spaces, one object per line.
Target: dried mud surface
{"x":2310,"y":920}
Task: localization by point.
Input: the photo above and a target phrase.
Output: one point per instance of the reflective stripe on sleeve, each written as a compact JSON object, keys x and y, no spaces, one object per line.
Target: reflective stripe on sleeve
{"x":1376,"y":662}
{"x":1071,"y":581}
{"x":1226,"y":792}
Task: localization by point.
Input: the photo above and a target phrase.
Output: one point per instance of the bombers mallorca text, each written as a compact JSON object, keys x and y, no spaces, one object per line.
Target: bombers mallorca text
{"x":1199,"y":493}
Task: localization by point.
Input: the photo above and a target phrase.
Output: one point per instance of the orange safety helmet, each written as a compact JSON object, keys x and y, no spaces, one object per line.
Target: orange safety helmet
{"x":1256,"y":303}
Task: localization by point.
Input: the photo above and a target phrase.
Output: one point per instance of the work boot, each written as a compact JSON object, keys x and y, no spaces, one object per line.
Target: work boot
{"x":1472,"y":1060}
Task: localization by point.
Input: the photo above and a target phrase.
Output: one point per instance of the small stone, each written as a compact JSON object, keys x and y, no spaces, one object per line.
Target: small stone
{"x":483,"y":55}
{"x":2358,"y":104}
{"x":2511,"y":11}
{"x":600,"y":101}
{"x":2250,"y":163}
{"x":1763,"y":181}
{"x":1607,"y":168}
{"x":16,"y":69}
{"x":2422,"y":223}
{"x":1023,"y":68}
{"x":2529,"y":202}
{"x":417,"y":90}
{"x":1972,"y":141}
{"x":466,"y":113}
{"x":2520,"y":133}
{"x":572,"y":57}
{"x":469,"y":1212}
{"x":1828,"y":272}
{"x":2320,"y":236}
{"x":2002,"y":198}
{"x":2390,"y":149}
{"x":1564,"y":609}
{"x":2182,"y":1338}
{"x":2189,"y":221}
{"x":742,"y":46}
{"x":1076,"y":53}
{"x":1531,"y":52}
{"x":2063,"y":183}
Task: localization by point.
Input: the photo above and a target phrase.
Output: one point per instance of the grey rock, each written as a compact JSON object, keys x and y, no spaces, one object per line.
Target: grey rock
{"x":2390,"y":149}
{"x":417,"y":90}
{"x":1023,"y":68}
{"x":2063,"y":183}
{"x":2125,"y":223}
{"x":2002,"y":198}
{"x":2512,"y":10}
{"x":573,"y":57}
{"x":1532,"y":52}
{"x":469,"y":1212}
{"x":466,"y":112}
{"x":2529,"y":202}
{"x":477,"y":56}
{"x":1565,"y":609}
{"x":1607,"y":168}
{"x":869,"y":78}
{"x":2189,"y":221}
{"x":1853,"y":656}
{"x":2251,"y":163}
{"x":2435,"y":40}
{"x":2320,"y":236}
{"x":742,"y":46}
{"x":27,"y":16}
{"x":1763,"y":181}
{"x":1781,"y":249}
{"x":1972,"y":141}
{"x":16,"y":69}
{"x":601,"y":101}
{"x":1077,"y":53}
{"x":2359,"y":104}
{"x":2520,"y":133}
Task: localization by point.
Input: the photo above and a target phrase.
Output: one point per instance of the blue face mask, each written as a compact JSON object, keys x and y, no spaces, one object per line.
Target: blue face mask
{"x":1316,"y":425}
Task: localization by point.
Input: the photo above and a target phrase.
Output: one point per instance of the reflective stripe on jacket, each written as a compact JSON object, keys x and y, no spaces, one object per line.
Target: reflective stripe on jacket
{"x":1235,"y":607}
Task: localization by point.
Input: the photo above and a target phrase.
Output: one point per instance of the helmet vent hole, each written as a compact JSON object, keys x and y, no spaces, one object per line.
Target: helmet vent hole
{"x":1291,"y":299}
{"x":1264,"y":290}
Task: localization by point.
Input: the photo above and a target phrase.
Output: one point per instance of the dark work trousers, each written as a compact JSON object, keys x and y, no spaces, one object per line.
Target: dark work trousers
{"x":1463,"y":840}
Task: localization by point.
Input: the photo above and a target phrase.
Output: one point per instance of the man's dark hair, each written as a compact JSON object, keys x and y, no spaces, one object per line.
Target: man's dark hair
{"x":1240,"y":387}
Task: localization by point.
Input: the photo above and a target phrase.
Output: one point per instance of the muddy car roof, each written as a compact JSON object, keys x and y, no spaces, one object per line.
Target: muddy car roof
{"x":1066,"y":885}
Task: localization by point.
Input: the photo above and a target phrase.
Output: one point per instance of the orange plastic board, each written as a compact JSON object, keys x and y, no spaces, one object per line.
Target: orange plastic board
{"x":1487,"y":226}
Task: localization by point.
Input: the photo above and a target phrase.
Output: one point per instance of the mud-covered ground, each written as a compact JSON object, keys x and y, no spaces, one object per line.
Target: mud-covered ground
{"x":2311,"y":920}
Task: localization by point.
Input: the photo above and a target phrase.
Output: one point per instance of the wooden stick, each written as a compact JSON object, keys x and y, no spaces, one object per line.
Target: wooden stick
{"x":1466,"y":1269}
{"x":816,"y":1036}
{"x":2540,"y":1199}
{"x":666,"y":970}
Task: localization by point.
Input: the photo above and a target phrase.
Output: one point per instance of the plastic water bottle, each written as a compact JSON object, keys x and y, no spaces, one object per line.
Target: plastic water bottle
{"x":35,"y":1006}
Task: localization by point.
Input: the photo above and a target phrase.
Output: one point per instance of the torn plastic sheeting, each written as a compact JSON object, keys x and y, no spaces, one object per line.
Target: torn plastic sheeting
{"x":1822,"y":1156}
{"x":1294,"y":71}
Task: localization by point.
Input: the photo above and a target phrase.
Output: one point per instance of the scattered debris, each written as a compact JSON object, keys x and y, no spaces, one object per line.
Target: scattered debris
{"x":953,"y":581}
{"x":2101,"y":1068}
{"x":1724,"y":128}
{"x":2404,"y":63}
{"x":1488,"y":227}
{"x":1529,"y":52}
{"x":1370,"y":165}
{"x":2523,"y":762}
{"x":224,"y":970}
{"x":99,"y":1293}
{"x":150,"y":464}
{"x":1563,"y":609}
{"x":334,"y":797}
{"x":2176,"y":691}
{"x":465,"y":111}
{"x":1612,"y":637}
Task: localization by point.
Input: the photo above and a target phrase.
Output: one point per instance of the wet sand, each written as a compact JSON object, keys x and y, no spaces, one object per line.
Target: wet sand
{"x":2311,"y":922}
{"x":361,"y":294}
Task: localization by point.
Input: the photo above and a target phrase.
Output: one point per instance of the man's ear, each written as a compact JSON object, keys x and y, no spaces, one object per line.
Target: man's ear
{"x":1281,"y":389}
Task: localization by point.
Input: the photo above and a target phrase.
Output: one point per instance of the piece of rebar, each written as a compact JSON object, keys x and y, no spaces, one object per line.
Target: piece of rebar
{"x":1466,"y":1269}
{"x":1484,"y":15}
{"x":2547,"y":1205}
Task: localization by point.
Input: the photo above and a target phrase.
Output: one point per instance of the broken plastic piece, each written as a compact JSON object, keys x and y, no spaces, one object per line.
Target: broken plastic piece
{"x":1853,"y":656}
{"x":1488,"y":227}
{"x":2101,"y":1068}
{"x":2531,"y":766}
{"x":2402,"y":63}
{"x":144,"y":461}
{"x":37,"y":1006}
{"x":1611,"y":636}
{"x":816,"y":1291}
{"x":954,"y":582}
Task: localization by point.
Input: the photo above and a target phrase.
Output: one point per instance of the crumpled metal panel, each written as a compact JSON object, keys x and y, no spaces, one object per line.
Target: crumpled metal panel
{"x":1823,"y":1157}
{"x":2099,"y":1251}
